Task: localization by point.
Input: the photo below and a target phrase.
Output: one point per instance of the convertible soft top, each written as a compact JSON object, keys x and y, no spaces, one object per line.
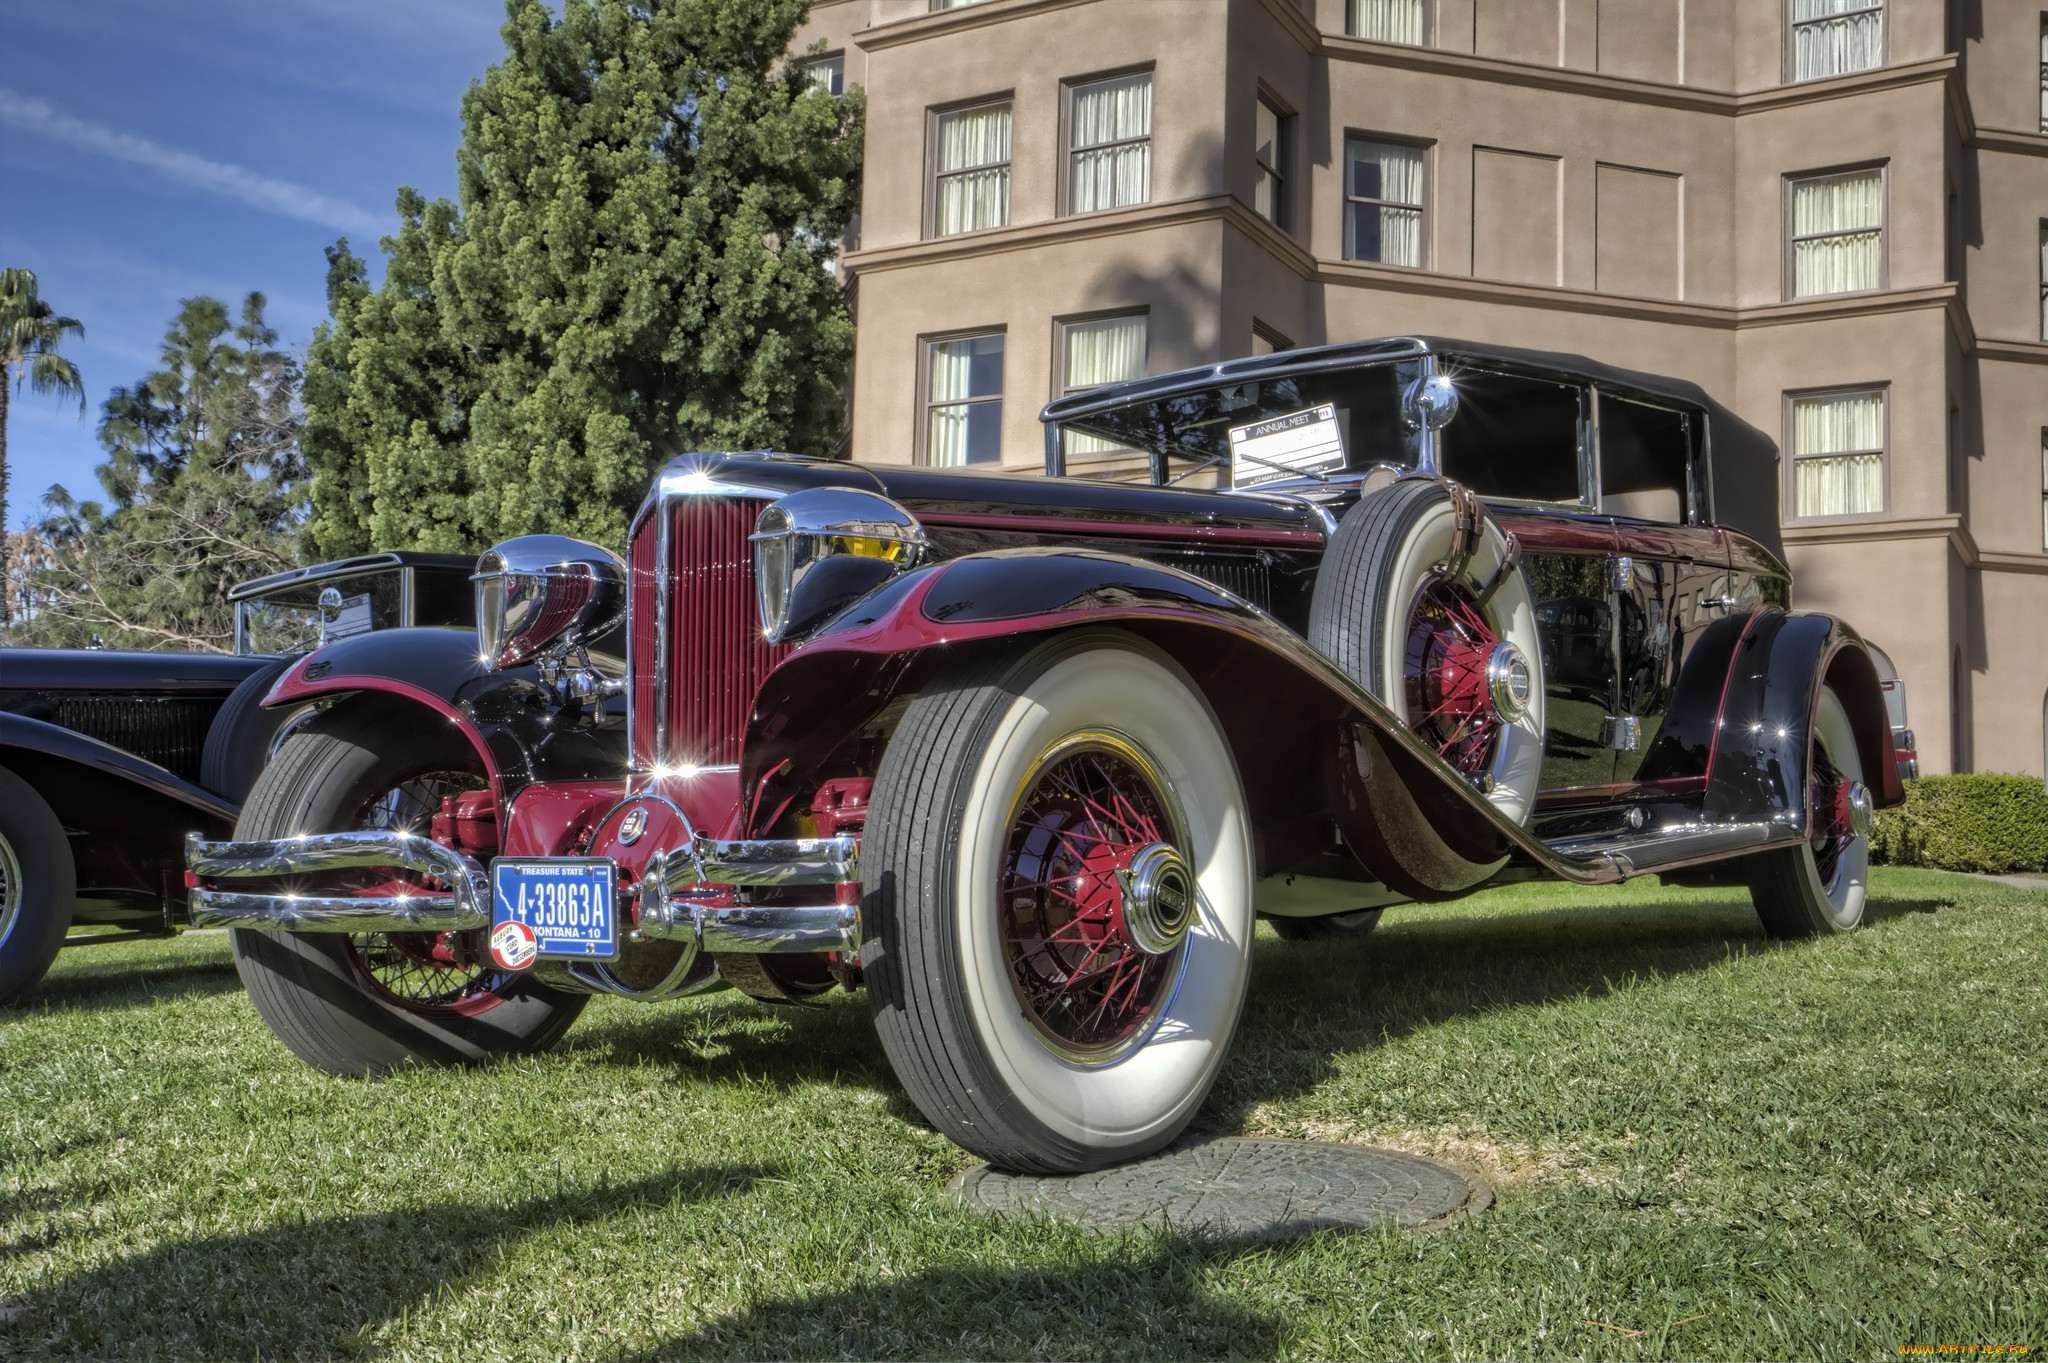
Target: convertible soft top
{"x":1742,"y":460}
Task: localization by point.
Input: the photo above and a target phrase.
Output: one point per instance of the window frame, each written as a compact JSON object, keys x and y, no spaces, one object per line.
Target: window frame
{"x":1788,"y":491}
{"x":1427,"y":146}
{"x":2044,"y":489}
{"x":1063,"y":192}
{"x":2043,"y":247}
{"x":921,"y":455}
{"x":1060,"y":325}
{"x":1789,"y":66}
{"x":1284,"y":136}
{"x":811,"y":64}
{"x":1789,"y":241}
{"x":1261,"y":331}
{"x":932,"y":114}
{"x":1429,"y":26}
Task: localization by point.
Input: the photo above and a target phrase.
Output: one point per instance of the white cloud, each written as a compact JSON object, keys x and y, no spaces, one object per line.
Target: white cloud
{"x":235,"y":182}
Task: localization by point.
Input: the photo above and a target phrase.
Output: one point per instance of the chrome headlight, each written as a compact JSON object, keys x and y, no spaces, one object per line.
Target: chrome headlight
{"x":545,"y":595}
{"x":819,"y":550}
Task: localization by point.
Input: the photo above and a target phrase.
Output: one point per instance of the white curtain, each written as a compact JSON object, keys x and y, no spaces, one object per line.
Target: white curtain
{"x":1831,"y":37}
{"x":1112,"y":176}
{"x":1392,"y":174}
{"x":1850,"y":210}
{"x":1838,"y":460}
{"x":1266,"y":156}
{"x":1108,"y":351}
{"x":965,"y":432}
{"x":1388,"y":21}
{"x":971,"y":197}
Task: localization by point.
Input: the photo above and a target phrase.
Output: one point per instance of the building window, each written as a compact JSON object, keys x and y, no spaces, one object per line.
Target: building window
{"x":2044,"y":489}
{"x":1093,"y":353}
{"x":828,"y":73}
{"x":973,"y":169}
{"x":2044,"y":73}
{"x":1271,"y":133}
{"x":1387,"y":21}
{"x":1838,"y":233}
{"x":1835,"y":37}
{"x":1109,"y":139}
{"x":1383,"y":194}
{"x":954,"y":4}
{"x":1838,"y":454}
{"x":964,"y":400}
{"x":1266,"y":341}
{"x":2044,"y":280}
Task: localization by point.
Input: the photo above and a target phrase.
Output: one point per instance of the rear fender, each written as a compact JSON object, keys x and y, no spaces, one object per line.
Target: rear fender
{"x":1293,"y":720}
{"x":515,"y":725}
{"x":1759,"y":768}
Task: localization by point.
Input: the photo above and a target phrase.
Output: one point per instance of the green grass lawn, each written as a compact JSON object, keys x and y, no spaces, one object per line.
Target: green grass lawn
{"x":1703,"y":1145}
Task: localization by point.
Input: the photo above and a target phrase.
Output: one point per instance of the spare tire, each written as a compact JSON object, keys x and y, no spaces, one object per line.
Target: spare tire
{"x":1440,"y":626}
{"x":238,"y":743}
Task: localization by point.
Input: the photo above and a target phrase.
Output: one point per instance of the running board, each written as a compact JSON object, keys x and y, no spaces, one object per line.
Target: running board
{"x":1676,"y":846}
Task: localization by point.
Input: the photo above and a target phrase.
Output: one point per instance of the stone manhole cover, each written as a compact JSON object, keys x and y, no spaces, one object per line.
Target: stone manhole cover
{"x":1239,"y":1186}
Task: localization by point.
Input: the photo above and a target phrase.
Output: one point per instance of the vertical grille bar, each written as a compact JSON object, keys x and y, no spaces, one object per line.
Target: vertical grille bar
{"x":644,"y":557}
{"x":716,"y":658}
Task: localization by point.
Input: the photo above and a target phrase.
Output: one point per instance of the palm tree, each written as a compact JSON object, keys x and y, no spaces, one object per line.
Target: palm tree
{"x":29,"y":336}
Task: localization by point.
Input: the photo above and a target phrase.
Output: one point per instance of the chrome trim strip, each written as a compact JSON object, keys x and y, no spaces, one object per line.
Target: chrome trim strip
{"x":663,"y":569}
{"x":467,"y":905}
{"x":312,"y":913}
{"x":757,"y":929}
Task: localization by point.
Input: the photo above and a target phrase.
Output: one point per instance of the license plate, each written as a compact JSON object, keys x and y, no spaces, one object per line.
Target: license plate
{"x":562,"y":906}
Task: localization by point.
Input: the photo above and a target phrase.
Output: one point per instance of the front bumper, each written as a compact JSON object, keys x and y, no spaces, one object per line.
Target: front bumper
{"x":689,"y":894}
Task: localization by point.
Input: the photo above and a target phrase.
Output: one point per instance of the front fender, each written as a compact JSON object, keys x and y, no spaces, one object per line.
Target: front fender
{"x":1759,"y":768}
{"x":513,"y":722}
{"x":1285,"y":709}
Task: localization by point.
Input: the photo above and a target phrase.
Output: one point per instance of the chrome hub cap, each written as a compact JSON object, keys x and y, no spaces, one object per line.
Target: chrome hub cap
{"x":1157,"y":898}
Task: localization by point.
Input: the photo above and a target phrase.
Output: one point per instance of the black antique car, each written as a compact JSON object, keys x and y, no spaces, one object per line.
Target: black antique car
{"x":109,"y":757}
{"x":1305,"y":636}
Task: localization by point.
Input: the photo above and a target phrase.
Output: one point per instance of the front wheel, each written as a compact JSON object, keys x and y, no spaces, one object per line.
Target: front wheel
{"x":1059,"y":869}
{"x":369,"y":1003}
{"x":1818,"y":887}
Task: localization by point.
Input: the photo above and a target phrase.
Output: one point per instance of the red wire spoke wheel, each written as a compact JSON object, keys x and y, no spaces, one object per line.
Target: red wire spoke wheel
{"x":1445,"y":676}
{"x":432,"y":971}
{"x":1818,"y":886}
{"x":1058,"y":876}
{"x":1083,"y":817}
{"x":370,"y":1003}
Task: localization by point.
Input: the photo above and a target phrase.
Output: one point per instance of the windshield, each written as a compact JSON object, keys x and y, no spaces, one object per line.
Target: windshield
{"x":288,"y":620}
{"x":1242,"y":434}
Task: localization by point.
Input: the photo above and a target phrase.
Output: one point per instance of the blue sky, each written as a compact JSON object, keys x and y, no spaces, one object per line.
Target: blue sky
{"x":152,"y":150}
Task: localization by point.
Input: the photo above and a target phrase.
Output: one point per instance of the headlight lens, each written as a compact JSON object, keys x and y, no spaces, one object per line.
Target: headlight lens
{"x":818,"y":551}
{"x":545,"y":595}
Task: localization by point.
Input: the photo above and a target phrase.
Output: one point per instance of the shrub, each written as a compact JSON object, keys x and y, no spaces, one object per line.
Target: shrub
{"x":1992,"y":824}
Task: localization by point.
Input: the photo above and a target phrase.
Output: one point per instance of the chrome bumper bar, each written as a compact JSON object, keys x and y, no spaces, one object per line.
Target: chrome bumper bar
{"x":702,"y":861}
{"x":753,"y":928}
{"x":466,"y":905}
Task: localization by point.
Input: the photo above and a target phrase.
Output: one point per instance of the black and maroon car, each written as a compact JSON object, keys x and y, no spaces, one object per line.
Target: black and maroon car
{"x":1300,"y":636}
{"x":110,"y":757}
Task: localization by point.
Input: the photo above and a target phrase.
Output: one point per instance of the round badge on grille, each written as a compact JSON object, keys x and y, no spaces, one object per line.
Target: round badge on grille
{"x":633,"y":825}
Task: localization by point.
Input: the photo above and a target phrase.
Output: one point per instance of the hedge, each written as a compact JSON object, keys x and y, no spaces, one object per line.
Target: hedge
{"x":1992,"y":824}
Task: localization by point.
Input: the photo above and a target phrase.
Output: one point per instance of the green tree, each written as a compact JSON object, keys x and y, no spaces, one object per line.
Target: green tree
{"x":205,"y":488}
{"x":641,"y":263}
{"x":29,"y":336}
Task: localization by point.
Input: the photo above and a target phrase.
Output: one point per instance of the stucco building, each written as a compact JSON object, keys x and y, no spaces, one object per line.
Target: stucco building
{"x":1832,"y":214}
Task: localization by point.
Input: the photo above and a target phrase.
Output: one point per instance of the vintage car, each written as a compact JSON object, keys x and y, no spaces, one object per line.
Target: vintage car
{"x":1302,"y":636}
{"x":109,"y":757}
